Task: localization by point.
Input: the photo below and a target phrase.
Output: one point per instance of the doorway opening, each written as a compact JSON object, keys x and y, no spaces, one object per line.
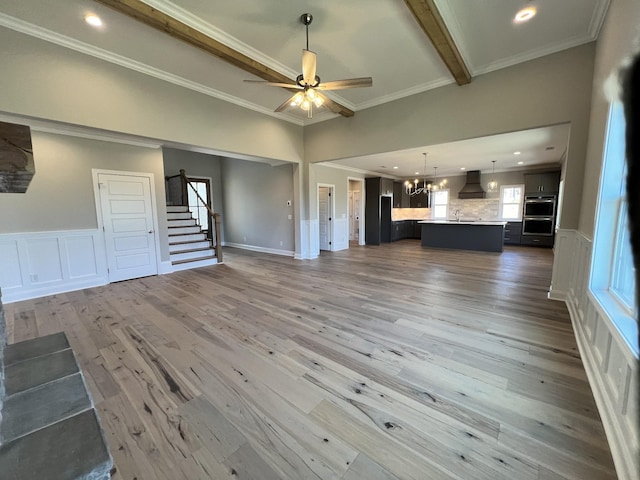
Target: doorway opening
{"x":356,"y":213}
{"x":325,"y":217}
{"x":197,"y":209}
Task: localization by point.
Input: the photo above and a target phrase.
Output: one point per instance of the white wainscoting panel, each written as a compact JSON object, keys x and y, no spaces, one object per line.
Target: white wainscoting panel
{"x":10,"y":270}
{"x":611,"y":365}
{"x":37,"y":264}
{"x":340,"y":234}
{"x":309,"y":240}
{"x":314,"y":238}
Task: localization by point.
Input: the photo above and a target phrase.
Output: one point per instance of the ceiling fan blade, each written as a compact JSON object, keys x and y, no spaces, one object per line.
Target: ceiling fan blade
{"x":328,"y":103}
{"x":285,"y":104}
{"x":348,"y":83}
{"x":308,"y":67}
{"x":275,"y":84}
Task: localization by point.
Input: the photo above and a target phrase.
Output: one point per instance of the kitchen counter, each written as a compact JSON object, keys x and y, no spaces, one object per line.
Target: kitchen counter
{"x":465,"y":222}
{"x":484,"y":236}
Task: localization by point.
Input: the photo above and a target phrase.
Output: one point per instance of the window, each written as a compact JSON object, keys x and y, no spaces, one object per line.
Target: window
{"x":623,"y":277}
{"x":511,"y":202}
{"x":440,"y":203}
{"x":612,"y":279}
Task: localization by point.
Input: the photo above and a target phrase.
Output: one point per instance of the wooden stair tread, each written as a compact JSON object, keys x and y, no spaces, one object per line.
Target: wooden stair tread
{"x":208,"y":257}
{"x":192,"y":250}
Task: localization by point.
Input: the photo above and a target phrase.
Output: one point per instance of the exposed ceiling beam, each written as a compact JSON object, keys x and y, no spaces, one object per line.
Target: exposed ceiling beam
{"x":161,"y":21}
{"x":428,"y":17}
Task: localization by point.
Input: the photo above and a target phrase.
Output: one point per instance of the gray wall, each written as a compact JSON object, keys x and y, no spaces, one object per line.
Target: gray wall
{"x":255,"y":199}
{"x":61,"y":195}
{"x":331,"y":176}
{"x":619,"y":33}
{"x":549,"y":90}
{"x":51,"y":82}
{"x":198,"y":165}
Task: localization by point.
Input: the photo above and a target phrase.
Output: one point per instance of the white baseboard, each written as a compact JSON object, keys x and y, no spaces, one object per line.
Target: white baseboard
{"x":165,"y":267}
{"x":254,"y":248}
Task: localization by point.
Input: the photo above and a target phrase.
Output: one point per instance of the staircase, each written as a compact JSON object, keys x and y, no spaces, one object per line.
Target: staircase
{"x":188,"y":246}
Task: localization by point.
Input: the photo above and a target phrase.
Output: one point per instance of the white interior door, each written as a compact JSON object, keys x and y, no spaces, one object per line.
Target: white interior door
{"x":324,"y":217}
{"x":354,"y":216}
{"x":127,"y":220}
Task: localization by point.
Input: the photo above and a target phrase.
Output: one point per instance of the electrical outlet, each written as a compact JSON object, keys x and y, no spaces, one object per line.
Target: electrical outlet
{"x":289,"y":217}
{"x":281,"y":243}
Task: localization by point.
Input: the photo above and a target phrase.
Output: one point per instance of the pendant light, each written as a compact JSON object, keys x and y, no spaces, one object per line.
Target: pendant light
{"x":413,"y":190}
{"x":492,"y":186}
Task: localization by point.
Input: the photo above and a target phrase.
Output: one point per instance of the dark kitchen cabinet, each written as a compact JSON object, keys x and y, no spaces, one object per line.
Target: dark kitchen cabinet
{"x":397,"y":194}
{"x":405,"y":229}
{"x":537,"y":240}
{"x":548,"y":182}
{"x":397,"y":231}
{"x":386,"y":187}
{"x":513,"y":233}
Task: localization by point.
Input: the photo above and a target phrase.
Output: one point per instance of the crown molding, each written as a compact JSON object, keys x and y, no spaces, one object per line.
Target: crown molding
{"x":597,"y":19}
{"x":440,"y":82}
{"x":58,"y":128}
{"x":96,"y":52}
{"x":532,"y":55}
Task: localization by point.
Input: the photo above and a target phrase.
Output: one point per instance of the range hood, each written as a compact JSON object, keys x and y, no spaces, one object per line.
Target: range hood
{"x":472,"y":189}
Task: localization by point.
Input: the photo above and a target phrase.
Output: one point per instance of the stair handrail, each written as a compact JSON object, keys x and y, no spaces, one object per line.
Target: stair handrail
{"x":212,"y":214}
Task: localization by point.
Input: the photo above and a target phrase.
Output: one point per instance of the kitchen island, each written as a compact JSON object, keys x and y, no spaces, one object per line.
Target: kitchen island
{"x":463,"y":235}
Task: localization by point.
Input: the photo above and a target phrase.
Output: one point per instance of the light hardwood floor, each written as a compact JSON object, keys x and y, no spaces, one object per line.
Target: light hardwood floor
{"x":374,"y":363}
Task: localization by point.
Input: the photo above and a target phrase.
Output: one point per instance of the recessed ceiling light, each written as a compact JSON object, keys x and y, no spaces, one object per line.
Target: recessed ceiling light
{"x":520,"y":163}
{"x":463,"y":168}
{"x":93,"y":20}
{"x":525,"y":14}
{"x":417,"y":173}
{"x":517,"y":153}
{"x":395,"y":168}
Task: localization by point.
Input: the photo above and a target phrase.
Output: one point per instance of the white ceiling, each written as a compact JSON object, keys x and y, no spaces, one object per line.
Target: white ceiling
{"x":352,"y":38}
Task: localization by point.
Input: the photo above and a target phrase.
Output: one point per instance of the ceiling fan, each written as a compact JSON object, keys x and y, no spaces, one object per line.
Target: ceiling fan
{"x":309,"y":85}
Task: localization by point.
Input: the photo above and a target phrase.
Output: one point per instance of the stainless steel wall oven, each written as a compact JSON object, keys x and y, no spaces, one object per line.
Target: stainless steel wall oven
{"x":539,"y":215}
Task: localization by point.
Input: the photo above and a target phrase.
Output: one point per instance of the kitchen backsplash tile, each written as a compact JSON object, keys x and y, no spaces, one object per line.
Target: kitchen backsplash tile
{"x":475,"y":209}
{"x":398,"y":214}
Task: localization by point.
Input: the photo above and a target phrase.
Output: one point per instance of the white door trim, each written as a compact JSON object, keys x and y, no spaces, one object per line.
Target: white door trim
{"x":332,"y":213}
{"x":154,"y":208}
{"x":361,"y":213}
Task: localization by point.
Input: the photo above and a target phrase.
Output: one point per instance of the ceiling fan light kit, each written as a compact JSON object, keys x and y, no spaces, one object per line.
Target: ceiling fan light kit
{"x":309,"y":83}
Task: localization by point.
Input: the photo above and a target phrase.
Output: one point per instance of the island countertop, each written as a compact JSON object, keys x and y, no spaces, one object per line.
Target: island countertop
{"x":464,"y":222}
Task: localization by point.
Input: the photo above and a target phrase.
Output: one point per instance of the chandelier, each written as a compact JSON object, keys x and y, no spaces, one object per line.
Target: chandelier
{"x":492,"y":186}
{"x":413,"y":189}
